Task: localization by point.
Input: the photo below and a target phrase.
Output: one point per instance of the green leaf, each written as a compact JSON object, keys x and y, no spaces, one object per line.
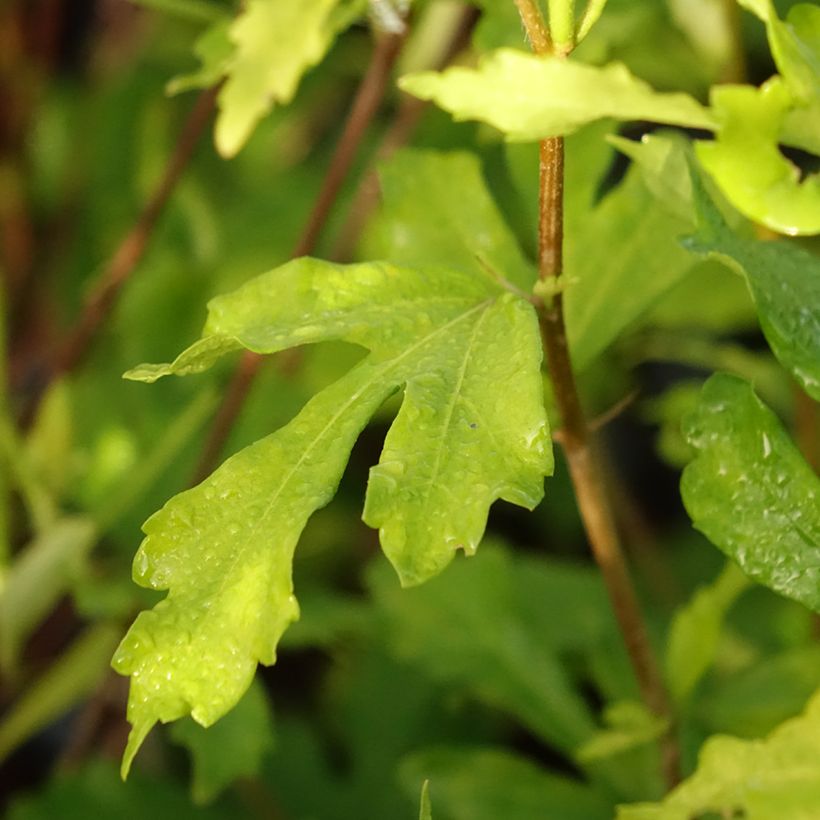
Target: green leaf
{"x":695,"y":631}
{"x":40,"y":575}
{"x":487,"y":784}
{"x":771,"y":689}
{"x":530,"y":98}
{"x":214,"y":50}
{"x":629,"y":724}
{"x":784,"y":281}
{"x":801,"y":128}
{"x":232,"y":748}
{"x":795,"y":45}
{"x":746,"y":163}
{"x":623,"y":258}
{"x":438,"y":212}
{"x":770,"y":779}
{"x":475,"y":628}
{"x":276,"y":42}
{"x":472,"y":428}
{"x":662,"y":160}
{"x":425,"y":809}
{"x":750,"y":491}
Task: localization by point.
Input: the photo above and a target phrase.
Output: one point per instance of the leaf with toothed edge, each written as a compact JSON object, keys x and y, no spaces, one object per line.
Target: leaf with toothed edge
{"x":471,"y":429}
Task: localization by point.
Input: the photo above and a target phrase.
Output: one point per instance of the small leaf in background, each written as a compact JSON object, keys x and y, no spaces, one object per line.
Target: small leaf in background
{"x":39,"y":576}
{"x":472,"y":428}
{"x":619,"y":263}
{"x":784,"y":280}
{"x":695,"y":631}
{"x":753,"y":700}
{"x":438,"y":212}
{"x":474,"y":627}
{"x":276,"y":42}
{"x":750,"y":491}
{"x":629,"y":724}
{"x":425,"y":809}
{"x":530,"y":98}
{"x":795,"y":45}
{"x":770,"y":779}
{"x":662,"y":160}
{"x":489,"y":784}
{"x":230,"y":749}
{"x":746,"y":163}
{"x":49,"y":443}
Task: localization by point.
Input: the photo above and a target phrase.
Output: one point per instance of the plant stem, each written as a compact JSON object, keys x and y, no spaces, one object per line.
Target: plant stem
{"x":365,"y":105}
{"x":534,"y":26}
{"x":585,"y":467}
{"x":562,"y":25}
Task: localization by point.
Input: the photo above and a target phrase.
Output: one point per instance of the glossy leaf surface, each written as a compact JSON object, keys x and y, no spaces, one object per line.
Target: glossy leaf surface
{"x":746,"y":162}
{"x":769,"y":779}
{"x":784,"y":281}
{"x":472,"y":428}
{"x":530,"y":98}
{"x":750,"y":491}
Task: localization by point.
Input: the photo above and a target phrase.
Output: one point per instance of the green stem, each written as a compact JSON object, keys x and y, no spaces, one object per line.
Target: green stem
{"x":589,"y":18}
{"x":562,"y":25}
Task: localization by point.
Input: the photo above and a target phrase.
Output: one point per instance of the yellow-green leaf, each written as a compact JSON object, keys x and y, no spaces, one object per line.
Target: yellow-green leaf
{"x":528,"y":97}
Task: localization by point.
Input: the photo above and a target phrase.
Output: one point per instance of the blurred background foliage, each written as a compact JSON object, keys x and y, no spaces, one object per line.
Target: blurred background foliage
{"x":504,"y":680}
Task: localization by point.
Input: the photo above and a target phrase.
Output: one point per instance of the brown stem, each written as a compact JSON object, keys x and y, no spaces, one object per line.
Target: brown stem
{"x":365,"y":105}
{"x":585,"y":468}
{"x":533,"y":22}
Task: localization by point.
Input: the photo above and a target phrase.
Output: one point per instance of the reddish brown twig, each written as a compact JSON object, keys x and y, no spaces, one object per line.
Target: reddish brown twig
{"x":586,"y":472}
{"x":365,"y":105}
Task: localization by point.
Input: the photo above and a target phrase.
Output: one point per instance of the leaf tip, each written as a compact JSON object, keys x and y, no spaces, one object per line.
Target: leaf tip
{"x":139,"y":731}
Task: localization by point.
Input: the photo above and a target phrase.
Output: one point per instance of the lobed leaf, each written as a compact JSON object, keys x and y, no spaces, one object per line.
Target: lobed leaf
{"x":784,"y":281}
{"x":768,"y":779}
{"x":275,"y":41}
{"x":750,"y":491}
{"x":746,"y":163}
{"x":530,"y":97}
{"x":795,"y":45}
{"x":472,"y":428}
